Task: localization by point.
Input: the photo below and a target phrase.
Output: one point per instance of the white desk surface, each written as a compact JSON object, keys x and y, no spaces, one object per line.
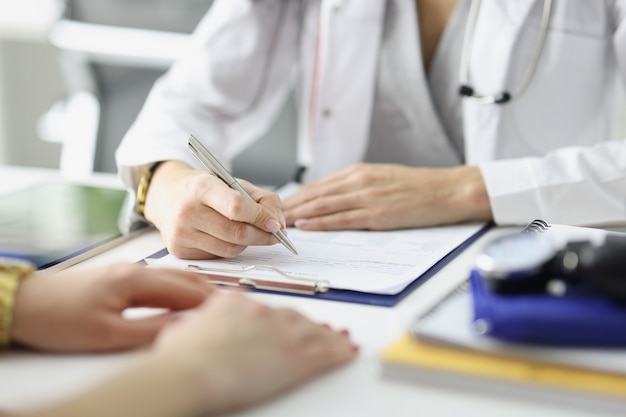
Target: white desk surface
{"x":30,"y":379}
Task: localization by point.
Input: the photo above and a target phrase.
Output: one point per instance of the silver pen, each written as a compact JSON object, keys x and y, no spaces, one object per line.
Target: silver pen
{"x":214,"y":166}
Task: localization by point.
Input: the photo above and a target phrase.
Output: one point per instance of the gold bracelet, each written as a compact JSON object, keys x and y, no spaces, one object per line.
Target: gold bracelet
{"x":11,"y":273}
{"x":142,"y":188}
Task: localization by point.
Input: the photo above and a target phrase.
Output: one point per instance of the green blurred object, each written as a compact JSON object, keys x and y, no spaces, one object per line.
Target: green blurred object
{"x":51,"y":223}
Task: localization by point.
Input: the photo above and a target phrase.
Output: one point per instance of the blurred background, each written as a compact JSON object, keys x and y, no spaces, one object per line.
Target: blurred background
{"x":74,"y":74}
{"x":30,"y":81}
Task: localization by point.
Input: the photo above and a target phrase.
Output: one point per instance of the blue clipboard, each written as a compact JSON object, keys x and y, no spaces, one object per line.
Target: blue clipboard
{"x":383,"y":300}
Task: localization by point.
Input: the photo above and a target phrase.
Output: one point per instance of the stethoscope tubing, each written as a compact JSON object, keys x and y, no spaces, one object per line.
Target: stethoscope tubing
{"x":466,"y":90}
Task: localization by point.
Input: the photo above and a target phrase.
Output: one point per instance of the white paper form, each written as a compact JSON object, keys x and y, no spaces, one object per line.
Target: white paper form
{"x":366,"y":261}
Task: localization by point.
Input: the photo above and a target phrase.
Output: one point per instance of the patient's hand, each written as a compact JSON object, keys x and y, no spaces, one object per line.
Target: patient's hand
{"x":81,"y":310}
{"x":242,"y":352}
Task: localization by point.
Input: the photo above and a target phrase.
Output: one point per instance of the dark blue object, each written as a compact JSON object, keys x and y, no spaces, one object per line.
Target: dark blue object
{"x":581,"y":317}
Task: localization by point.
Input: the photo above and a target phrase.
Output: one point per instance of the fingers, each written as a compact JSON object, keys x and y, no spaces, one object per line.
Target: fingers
{"x":312,"y":347}
{"x":309,"y":348}
{"x":261,"y":211}
{"x":364,"y":196}
{"x":138,"y":286}
{"x":315,"y":340}
{"x":164,"y":288}
{"x":271,"y":201}
{"x":260,"y":350}
{"x":199,"y":216}
{"x":119,"y":333}
{"x":358,"y":209}
{"x":330,"y":213}
{"x":200,"y":232}
{"x":334,"y":194}
{"x":202,"y":244}
{"x":327,"y":350}
{"x":334,"y":184}
{"x":305,"y":347}
{"x":220,"y":221}
{"x":359,"y":219}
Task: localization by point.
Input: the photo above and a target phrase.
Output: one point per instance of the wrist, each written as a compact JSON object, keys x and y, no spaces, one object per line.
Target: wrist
{"x":472,"y":196}
{"x":143,"y":186}
{"x":11,"y":273}
{"x":163,"y":185}
{"x":165,"y":382}
{"x":185,"y":377}
{"x":208,"y":386}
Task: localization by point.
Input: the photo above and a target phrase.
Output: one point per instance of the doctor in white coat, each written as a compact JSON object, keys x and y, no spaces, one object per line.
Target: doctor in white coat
{"x":386,"y":138}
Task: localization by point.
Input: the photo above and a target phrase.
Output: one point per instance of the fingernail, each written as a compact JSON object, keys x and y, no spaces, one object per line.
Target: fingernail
{"x":355,"y":348}
{"x":301,"y":222}
{"x":345,"y":332}
{"x":282,"y":218}
{"x":272,"y":225}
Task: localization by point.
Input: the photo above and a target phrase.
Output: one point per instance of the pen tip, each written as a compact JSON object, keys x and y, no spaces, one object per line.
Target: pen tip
{"x":282,"y":238}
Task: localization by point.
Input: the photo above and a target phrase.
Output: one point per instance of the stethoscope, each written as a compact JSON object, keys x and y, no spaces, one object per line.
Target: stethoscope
{"x":532,"y":262}
{"x":465,"y":89}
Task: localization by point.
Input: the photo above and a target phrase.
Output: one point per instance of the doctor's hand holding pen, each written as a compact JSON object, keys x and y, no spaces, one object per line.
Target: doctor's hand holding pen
{"x":201,"y":217}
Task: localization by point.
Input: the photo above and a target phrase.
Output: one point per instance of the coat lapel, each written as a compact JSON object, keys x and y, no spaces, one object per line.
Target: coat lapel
{"x":497,"y":64}
{"x":350,"y":33}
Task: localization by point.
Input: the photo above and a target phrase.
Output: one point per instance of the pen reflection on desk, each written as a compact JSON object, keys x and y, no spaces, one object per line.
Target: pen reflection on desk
{"x":214,"y":166}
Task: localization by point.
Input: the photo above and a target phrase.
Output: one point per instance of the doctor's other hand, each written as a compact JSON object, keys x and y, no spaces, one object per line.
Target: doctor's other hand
{"x":81,"y":310}
{"x":241,"y":352}
{"x":389,"y":196}
{"x":200,"y":217}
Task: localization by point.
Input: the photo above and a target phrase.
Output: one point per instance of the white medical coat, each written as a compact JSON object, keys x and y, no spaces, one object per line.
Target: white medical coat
{"x":553,"y":153}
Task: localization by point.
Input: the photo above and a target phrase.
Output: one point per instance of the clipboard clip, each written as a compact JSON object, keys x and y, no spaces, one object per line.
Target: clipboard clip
{"x":284,"y":283}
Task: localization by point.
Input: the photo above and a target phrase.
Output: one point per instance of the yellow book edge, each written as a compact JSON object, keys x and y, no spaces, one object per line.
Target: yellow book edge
{"x":409,"y":352}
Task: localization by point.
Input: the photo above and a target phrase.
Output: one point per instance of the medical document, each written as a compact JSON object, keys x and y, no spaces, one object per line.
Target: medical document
{"x":380,"y":262}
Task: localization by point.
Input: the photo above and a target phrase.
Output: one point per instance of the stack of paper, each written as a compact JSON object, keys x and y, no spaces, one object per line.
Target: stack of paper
{"x":437,"y":363}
